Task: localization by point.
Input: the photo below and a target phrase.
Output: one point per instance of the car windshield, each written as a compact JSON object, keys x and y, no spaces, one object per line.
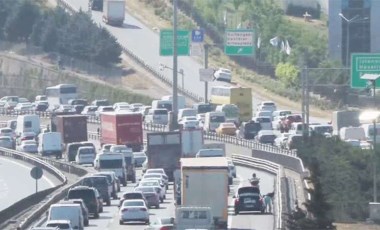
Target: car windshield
{"x":133,"y":203}
{"x":6,"y":131}
{"x":217,"y":118}
{"x":263,"y":119}
{"x":139,"y":155}
{"x":110,"y":164}
{"x":132,"y":196}
{"x":5,"y":139}
{"x":161,"y":112}
{"x":94,"y":181}
{"x":323,"y":129}
{"x":86,"y":195}
{"x":149,"y":183}
{"x":108,"y":176}
{"x":152,"y":176}
{"x":150,"y":171}
{"x":145,"y":189}
{"x":59,"y":225}
{"x":204,"y":108}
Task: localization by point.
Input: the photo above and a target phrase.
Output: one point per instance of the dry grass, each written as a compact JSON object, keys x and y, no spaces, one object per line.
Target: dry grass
{"x":356,"y":226}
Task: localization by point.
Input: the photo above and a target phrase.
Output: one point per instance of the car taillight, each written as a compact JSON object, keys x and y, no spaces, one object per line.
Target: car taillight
{"x":124,"y":209}
{"x":165,"y":228}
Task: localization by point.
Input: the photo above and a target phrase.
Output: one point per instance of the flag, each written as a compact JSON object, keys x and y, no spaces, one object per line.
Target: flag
{"x":288,"y":50}
{"x":282,"y":46}
{"x":258,"y":42}
{"x":274,"y":41}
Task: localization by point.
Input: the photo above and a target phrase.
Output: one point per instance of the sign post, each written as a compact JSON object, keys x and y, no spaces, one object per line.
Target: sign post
{"x":364,"y":63}
{"x":239,"y":43}
{"x":36,"y":173}
{"x":166,"y":42}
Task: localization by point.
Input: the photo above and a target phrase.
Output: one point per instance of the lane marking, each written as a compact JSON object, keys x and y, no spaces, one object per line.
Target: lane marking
{"x":26,"y":167}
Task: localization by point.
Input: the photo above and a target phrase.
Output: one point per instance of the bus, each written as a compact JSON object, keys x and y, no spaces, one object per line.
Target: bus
{"x":240,"y":96}
{"x":60,"y":94}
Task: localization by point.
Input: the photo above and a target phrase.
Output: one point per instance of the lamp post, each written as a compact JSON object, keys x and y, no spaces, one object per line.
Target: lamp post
{"x":174,"y":116}
{"x":348,"y":22}
{"x":181,"y":71}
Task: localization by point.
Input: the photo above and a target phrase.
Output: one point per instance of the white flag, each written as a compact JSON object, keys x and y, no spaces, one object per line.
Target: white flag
{"x":274,"y":41}
{"x":258,"y":42}
{"x":288,"y":50}
{"x":282,"y":46}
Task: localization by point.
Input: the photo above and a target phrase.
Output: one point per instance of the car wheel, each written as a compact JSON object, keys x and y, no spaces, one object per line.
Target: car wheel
{"x":101,"y":209}
{"x":86,"y":222}
{"x":147,"y":222}
{"x":96,"y":215}
{"x":161,"y":200}
{"x":121,"y":222}
{"x":108,"y":202}
{"x":158,"y":206}
{"x":124,"y":183}
{"x":164,"y":196}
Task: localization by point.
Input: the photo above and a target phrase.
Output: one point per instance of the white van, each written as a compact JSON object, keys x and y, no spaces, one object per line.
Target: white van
{"x":71,"y":212}
{"x":115,"y":162}
{"x":162,"y":104}
{"x":181,"y":100}
{"x":157,"y":116}
{"x":296,"y":128}
{"x":85,"y":155}
{"x":369,"y":132}
{"x":213,"y":120}
{"x":50,"y":143}
{"x":210,"y":153}
{"x":28,"y":123}
{"x":186,"y":113}
{"x":352,"y":133}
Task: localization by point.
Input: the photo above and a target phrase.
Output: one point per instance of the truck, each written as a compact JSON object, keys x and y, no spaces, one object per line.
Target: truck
{"x":202,"y":176}
{"x":215,"y":146}
{"x":192,"y":141}
{"x":112,"y":162}
{"x":114,"y":12}
{"x":164,"y":150}
{"x":73,"y":128}
{"x":122,"y":128}
{"x":181,"y":100}
{"x":345,"y":118}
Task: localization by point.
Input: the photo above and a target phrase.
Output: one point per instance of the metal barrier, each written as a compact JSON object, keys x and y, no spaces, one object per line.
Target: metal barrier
{"x":271,"y":168}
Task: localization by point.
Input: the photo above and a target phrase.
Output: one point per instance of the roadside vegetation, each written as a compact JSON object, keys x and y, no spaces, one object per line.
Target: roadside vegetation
{"x":56,"y":31}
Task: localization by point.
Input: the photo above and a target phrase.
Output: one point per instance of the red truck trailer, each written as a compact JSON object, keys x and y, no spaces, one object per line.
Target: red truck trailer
{"x":122,"y":129}
{"x":73,"y":128}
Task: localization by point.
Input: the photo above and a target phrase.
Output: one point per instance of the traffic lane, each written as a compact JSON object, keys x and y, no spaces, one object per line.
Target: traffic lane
{"x":16,"y":182}
{"x":250,"y":220}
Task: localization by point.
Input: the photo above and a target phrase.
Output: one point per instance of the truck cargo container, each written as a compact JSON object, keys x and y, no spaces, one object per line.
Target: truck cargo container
{"x":164,"y":150}
{"x":114,"y":12}
{"x":342,"y":119}
{"x":209,"y":176}
{"x":73,"y":128}
{"x":122,"y":128}
{"x":192,"y":141}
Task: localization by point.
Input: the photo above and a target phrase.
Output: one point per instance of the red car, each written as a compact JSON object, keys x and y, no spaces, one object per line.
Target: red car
{"x":288,"y":120}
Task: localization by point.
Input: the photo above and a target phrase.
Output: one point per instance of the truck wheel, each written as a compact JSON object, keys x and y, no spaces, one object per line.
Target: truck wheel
{"x":158,"y":206}
{"x":121,"y":222}
{"x":96,"y":215}
{"x":108,"y":202}
{"x":86,"y":222}
{"x":161,"y":200}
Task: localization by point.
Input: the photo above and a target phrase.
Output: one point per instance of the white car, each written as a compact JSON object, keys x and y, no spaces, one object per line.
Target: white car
{"x":23,"y":107}
{"x":267,"y":105}
{"x":189,"y":122}
{"x":160,"y":176}
{"x":28,"y":146}
{"x":265,"y":122}
{"x":133,"y":210}
{"x":281,"y":140}
{"x":103,"y":109}
{"x":89,"y":110}
{"x":156,"y":184}
{"x":223,"y":74}
{"x":61,"y":224}
{"x":8,"y":132}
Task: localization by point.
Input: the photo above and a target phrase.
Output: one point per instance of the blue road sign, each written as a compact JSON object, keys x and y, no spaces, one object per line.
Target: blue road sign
{"x":197,"y":35}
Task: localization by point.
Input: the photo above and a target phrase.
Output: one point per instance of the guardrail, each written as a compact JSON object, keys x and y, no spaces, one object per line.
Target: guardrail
{"x":271,"y":168}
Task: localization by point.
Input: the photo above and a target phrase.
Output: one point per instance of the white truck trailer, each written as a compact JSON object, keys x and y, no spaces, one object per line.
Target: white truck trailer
{"x":192,"y":142}
{"x":209,"y":176}
{"x":114,"y":12}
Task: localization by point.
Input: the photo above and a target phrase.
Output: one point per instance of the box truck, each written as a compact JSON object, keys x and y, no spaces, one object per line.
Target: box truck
{"x":114,"y":12}
{"x":192,"y":141}
{"x":73,"y":128}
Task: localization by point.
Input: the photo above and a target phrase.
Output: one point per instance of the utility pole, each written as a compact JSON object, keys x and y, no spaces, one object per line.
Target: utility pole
{"x":175,"y":71}
{"x":206,"y":46}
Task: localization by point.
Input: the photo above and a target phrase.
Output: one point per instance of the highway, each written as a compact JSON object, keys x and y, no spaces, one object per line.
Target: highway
{"x":16,"y":182}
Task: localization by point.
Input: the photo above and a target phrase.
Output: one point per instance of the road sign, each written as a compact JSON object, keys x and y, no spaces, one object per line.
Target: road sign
{"x":206,"y":74}
{"x":36,"y":173}
{"x":197,"y":35}
{"x":239,"y":42}
{"x":364,"y":63}
{"x":166,"y":42}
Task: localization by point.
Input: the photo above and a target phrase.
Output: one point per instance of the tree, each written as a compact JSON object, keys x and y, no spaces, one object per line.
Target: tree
{"x":288,"y":74}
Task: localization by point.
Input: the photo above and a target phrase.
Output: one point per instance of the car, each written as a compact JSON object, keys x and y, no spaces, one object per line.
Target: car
{"x":7,"y":142}
{"x":106,"y":148}
{"x":151,"y":196}
{"x":61,"y":224}
{"x":139,"y":157}
{"x":7,"y":132}
{"x":248,"y":130}
{"x":281,"y":140}
{"x":23,"y":108}
{"x":157,"y":185}
{"x":158,"y":181}
{"x":65,"y":109}
{"x":40,"y":106}
{"x":9,"y":102}
{"x":25,"y":136}
{"x":85,"y":155}
{"x":134,"y":210}
{"x":23,"y":100}
{"x":265,"y":122}
{"x":131,"y":196}
{"x":264,"y":113}
{"x":89,"y":110}
{"x":267,"y":105}
{"x":155,"y":171}
{"x":101,"y":102}
{"x":288,"y":120}
{"x":101,"y":184}
{"x":226,"y":128}
{"x":266,"y":137}
{"x":112,"y":179}
{"x":248,"y":198}
{"x":83,"y":206}
{"x":223,"y":74}
{"x":28,"y":146}
{"x":294,"y":140}
{"x":325,"y":130}
{"x":103,"y":109}
{"x":161,"y":223}
{"x":136,"y":106}
{"x":90,"y":196}
{"x":189,"y":122}
{"x":67,"y":211}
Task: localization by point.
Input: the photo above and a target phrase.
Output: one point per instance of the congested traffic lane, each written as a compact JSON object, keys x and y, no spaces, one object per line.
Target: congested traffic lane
{"x":16,"y":182}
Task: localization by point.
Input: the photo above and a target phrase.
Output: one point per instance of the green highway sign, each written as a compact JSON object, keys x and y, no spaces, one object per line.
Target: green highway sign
{"x":166,"y":42}
{"x":364,"y":63}
{"x":239,"y":42}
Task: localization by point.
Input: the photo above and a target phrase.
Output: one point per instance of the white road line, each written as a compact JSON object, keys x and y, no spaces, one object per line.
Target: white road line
{"x":28,"y":167}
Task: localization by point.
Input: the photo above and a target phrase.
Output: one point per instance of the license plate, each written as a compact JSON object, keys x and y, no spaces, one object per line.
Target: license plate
{"x":249,"y":206}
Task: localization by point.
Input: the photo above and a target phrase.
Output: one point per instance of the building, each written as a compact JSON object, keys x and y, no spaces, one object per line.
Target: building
{"x":353,"y":28}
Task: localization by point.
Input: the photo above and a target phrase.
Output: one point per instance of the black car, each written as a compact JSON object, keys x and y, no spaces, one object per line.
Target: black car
{"x":89,"y":196}
{"x":248,"y":199}
{"x":101,"y":184}
{"x":112,"y":179}
{"x":71,"y":150}
{"x":248,"y":130}
{"x":97,"y":5}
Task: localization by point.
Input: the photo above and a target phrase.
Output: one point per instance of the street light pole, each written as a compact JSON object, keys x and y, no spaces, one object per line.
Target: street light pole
{"x":175,"y":71}
{"x":181,"y":71}
{"x":206,"y":46}
{"x":374,"y":146}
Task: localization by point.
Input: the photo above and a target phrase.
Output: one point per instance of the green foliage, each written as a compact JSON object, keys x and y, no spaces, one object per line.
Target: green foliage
{"x":288,"y":74}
